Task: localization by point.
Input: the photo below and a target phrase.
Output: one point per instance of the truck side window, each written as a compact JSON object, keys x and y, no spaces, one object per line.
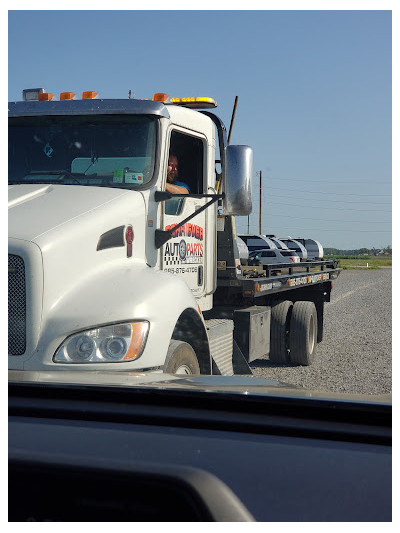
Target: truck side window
{"x":190,"y":153}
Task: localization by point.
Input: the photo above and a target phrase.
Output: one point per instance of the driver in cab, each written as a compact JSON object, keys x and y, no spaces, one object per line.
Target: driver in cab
{"x":173,"y":185}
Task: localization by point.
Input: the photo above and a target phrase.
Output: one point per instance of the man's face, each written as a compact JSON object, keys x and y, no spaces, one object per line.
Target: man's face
{"x":172,"y":171}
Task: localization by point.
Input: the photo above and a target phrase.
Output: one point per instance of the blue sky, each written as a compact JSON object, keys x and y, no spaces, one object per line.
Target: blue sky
{"x":314,"y":93}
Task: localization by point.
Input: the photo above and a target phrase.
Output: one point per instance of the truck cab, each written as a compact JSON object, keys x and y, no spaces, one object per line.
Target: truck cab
{"x":106,"y":269}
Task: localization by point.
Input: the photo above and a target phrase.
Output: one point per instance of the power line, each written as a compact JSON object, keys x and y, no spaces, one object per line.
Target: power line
{"x":334,"y":220}
{"x":330,"y":193}
{"x":333,"y":201}
{"x":335,"y":208}
{"x":331,"y":180}
{"x":333,"y":229}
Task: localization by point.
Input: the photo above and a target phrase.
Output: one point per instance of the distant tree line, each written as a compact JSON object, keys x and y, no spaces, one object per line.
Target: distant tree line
{"x":359,"y":251}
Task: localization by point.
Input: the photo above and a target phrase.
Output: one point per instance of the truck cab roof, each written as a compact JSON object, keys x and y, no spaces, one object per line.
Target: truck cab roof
{"x":87,"y":107}
{"x":179,"y":115}
{"x":102,"y":107}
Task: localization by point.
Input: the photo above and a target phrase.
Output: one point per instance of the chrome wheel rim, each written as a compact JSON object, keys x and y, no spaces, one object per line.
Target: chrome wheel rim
{"x":183,"y":370}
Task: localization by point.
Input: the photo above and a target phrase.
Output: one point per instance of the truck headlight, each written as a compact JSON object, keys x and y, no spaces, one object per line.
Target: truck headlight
{"x":107,"y":344}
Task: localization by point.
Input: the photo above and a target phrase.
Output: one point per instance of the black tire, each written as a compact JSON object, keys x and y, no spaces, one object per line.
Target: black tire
{"x":279,"y":338}
{"x":303,"y":333}
{"x":181,"y":359}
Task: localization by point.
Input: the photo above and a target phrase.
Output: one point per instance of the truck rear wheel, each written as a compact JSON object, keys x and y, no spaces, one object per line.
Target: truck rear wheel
{"x":181,"y":359}
{"x":303,"y":333}
{"x":280,"y":322}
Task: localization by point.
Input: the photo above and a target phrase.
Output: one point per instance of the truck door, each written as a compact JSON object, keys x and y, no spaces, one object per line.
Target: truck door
{"x":183,"y":255}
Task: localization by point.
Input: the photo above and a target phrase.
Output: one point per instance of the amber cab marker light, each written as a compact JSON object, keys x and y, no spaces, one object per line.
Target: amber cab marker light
{"x":67,"y":96}
{"x":195,"y":102}
{"x":160,"y":97}
{"x":45,"y":96}
{"x":205,"y":99}
{"x":87,"y":95}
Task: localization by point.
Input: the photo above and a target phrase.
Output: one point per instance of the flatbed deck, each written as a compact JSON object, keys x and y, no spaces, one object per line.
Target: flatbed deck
{"x":261,"y":281}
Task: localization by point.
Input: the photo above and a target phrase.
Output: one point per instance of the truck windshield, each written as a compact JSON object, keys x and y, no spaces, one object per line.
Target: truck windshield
{"x":108,"y":151}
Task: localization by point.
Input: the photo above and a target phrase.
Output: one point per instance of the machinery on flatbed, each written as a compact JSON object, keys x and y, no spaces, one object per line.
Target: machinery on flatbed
{"x":108,"y":270}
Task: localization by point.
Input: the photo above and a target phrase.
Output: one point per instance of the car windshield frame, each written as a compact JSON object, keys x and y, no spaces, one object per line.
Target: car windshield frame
{"x":73,"y":150}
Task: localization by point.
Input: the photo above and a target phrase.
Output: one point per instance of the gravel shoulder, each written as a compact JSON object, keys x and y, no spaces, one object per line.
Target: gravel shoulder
{"x":356,"y":353}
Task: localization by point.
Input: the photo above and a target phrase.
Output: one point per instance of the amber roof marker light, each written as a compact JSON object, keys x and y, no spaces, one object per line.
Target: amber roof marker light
{"x":195,"y":102}
{"x":45,"y":96}
{"x":89,"y":95}
{"x":67,"y":96}
{"x":160,"y":97}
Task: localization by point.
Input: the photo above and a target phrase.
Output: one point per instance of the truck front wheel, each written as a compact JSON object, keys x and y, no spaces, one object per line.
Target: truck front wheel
{"x":181,"y":359}
{"x":303,"y":333}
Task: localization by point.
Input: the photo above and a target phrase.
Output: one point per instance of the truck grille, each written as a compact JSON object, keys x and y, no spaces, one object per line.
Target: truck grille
{"x":16,"y":306}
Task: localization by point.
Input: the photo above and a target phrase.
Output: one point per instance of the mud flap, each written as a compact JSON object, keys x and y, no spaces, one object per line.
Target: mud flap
{"x":240,"y":365}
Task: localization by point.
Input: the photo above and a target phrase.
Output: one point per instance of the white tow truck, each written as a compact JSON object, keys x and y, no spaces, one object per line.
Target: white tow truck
{"x":107,"y":270}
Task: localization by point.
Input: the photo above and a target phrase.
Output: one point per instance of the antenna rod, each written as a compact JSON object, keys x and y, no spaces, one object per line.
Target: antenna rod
{"x":233,"y":118}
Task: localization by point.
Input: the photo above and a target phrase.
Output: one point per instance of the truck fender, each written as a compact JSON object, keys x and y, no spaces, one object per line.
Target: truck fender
{"x":121,"y":294}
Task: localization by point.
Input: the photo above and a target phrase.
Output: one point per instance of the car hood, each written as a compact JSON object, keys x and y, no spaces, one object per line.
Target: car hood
{"x":241,"y":385}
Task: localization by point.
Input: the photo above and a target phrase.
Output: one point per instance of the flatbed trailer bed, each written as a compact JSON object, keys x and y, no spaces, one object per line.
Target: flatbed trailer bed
{"x":264,"y":280}
{"x":282,"y":277}
{"x":287,"y":300}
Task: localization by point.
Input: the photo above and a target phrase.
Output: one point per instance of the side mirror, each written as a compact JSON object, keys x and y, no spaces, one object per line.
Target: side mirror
{"x":238,"y":177}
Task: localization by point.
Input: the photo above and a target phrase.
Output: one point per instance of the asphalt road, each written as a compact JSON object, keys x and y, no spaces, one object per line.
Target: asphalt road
{"x":356,"y":353}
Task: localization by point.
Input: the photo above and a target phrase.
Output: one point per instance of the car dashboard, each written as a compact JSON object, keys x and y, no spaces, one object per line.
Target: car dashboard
{"x":141,"y":454}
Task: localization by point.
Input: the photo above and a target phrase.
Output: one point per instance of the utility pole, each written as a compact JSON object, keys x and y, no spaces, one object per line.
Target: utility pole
{"x":260,"y":202}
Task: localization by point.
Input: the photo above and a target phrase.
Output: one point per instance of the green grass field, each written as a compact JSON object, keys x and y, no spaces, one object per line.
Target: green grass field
{"x":360,"y":263}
